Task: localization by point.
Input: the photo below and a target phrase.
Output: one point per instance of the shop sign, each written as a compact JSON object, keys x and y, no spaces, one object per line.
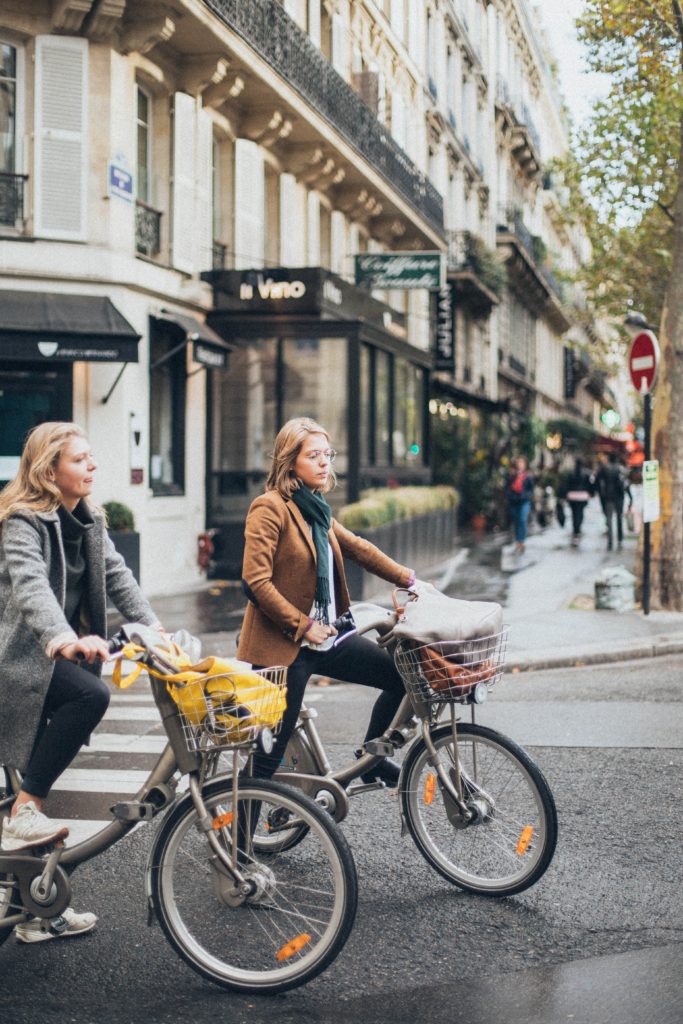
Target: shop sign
{"x":444,"y":349}
{"x":268,"y":288}
{"x":207,"y":355}
{"x":404,"y":270}
{"x":569,"y":373}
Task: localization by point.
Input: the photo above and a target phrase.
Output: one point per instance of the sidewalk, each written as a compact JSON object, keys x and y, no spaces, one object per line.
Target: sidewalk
{"x":549,"y":601}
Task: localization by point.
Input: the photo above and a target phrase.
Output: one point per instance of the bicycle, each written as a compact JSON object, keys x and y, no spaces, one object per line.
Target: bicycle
{"x":477,"y":807}
{"x":249,"y":920}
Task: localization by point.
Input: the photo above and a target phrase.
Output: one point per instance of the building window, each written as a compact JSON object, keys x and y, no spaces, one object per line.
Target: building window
{"x":11,"y":183}
{"x":167,"y":378}
{"x":408,"y":388}
{"x":144,"y":146}
{"x":382,"y":404}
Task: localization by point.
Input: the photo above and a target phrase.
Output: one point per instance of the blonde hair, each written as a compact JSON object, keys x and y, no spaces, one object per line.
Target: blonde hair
{"x":33,"y":488}
{"x":288,"y":444}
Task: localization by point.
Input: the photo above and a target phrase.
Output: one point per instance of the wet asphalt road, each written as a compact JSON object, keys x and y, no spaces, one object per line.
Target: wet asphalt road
{"x":594,"y":942}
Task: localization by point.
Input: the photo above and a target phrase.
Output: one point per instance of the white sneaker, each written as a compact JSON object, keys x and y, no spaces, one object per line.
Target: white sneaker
{"x":30,"y":827}
{"x":69,"y":923}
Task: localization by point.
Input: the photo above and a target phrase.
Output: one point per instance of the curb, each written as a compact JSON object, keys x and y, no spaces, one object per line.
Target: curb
{"x":531,"y":661}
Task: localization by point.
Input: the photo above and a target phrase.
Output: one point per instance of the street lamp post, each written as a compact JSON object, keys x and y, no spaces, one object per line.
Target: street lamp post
{"x":643,"y":362}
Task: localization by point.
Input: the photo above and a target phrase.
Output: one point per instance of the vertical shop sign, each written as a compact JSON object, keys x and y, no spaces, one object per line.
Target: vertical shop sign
{"x":444,"y":348}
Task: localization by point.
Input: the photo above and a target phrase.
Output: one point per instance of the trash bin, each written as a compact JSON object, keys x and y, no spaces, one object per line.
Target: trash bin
{"x":615,"y":589}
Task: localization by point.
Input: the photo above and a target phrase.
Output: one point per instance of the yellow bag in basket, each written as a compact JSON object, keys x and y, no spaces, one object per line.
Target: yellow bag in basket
{"x":236,"y":698}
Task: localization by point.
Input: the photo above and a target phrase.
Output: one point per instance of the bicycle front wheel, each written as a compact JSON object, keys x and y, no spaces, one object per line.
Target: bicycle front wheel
{"x":508,"y":841}
{"x":298,"y":909}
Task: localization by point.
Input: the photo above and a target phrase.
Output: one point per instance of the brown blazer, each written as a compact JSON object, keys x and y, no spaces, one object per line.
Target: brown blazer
{"x":279,"y":573}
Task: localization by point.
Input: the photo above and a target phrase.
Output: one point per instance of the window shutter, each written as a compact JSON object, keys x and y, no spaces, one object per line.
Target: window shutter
{"x":313,"y":233}
{"x":61,"y":158}
{"x":338,"y":244}
{"x":204,"y":192}
{"x":183,"y":220}
{"x":398,"y":118}
{"x":339,"y":61}
{"x":249,"y":205}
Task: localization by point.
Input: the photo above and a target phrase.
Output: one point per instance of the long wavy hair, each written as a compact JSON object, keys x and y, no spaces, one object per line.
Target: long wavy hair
{"x":288,"y":444}
{"x":33,"y":488}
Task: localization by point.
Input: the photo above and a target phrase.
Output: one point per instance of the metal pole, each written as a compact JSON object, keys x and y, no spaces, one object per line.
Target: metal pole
{"x":647,"y":412}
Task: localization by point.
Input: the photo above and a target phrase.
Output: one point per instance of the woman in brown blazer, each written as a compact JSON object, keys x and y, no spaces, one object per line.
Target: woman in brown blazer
{"x":293,"y":575}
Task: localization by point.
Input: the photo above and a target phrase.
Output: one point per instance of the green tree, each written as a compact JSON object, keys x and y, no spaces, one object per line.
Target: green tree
{"x":627,"y":180}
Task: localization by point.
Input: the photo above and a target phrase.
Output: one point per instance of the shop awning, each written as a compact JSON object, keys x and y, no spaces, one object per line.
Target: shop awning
{"x":55,"y":327}
{"x":208,"y":348}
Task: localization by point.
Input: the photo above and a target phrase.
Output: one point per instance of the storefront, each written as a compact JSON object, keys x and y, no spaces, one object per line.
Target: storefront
{"x":42,"y":335}
{"x":307,"y":343}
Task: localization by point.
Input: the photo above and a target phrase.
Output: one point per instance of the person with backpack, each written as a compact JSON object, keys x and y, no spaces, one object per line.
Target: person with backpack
{"x":519,"y":492}
{"x":613,"y":487}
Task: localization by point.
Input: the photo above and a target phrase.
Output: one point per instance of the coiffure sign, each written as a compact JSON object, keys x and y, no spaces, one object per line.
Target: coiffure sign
{"x":405,"y":270}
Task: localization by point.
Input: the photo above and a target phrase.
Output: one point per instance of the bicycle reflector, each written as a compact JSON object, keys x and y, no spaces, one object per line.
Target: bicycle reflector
{"x":292,"y":947}
{"x":222,"y":821}
{"x":525,"y":839}
{"x":430,"y":783}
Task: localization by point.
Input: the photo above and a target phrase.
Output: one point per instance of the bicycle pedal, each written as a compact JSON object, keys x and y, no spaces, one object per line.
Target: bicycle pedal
{"x":365,"y":787}
{"x":379,"y":748}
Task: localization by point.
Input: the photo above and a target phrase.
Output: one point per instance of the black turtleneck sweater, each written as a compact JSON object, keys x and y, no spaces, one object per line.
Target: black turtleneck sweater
{"x":74,"y":526}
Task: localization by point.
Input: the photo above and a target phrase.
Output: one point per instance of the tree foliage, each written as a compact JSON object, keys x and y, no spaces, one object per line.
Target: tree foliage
{"x":623,"y":172}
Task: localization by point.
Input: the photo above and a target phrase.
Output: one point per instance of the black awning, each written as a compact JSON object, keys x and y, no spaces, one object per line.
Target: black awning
{"x":55,"y":327}
{"x":208,"y":348}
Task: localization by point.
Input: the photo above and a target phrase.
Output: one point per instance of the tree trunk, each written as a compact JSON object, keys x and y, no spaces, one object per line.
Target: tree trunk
{"x":667,"y":430}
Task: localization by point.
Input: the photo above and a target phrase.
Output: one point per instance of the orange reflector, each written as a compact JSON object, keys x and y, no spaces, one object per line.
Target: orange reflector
{"x":222,"y":821}
{"x":292,"y":947}
{"x":525,"y":839}
{"x":430,"y":783}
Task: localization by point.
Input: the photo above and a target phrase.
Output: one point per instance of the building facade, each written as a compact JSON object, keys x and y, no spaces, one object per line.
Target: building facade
{"x":183,"y":189}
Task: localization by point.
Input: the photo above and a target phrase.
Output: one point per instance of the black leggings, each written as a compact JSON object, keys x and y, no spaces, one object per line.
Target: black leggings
{"x":355,"y":660}
{"x":75,"y":703}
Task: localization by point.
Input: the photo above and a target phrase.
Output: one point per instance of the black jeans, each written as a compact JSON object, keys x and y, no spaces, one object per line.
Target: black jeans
{"x":75,"y":703}
{"x":577,"y":510}
{"x":355,"y":660}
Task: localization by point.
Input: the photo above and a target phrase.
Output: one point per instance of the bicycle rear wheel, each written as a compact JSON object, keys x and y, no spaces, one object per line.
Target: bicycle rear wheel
{"x":510,"y":840}
{"x":300,"y":908}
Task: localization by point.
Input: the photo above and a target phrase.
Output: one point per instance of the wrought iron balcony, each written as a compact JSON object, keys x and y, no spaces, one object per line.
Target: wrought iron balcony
{"x":12,"y":199}
{"x":147,"y":229}
{"x":269,"y":30}
{"x":476,"y":271}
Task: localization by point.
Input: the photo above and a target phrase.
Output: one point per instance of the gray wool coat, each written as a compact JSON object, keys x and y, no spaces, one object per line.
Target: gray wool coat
{"x":32,"y":594}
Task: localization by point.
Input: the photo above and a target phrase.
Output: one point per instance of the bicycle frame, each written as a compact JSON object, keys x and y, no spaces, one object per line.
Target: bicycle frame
{"x":157,"y":793}
{"x":400,"y":731}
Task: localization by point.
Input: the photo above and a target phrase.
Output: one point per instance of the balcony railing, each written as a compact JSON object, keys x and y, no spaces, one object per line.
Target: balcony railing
{"x":12,"y":199}
{"x":468,"y":252}
{"x":510,"y":220}
{"x":147,"y":229}
{"x":269,"y":30}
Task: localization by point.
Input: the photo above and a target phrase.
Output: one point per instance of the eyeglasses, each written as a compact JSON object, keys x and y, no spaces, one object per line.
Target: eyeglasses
{"x":329,"y":455}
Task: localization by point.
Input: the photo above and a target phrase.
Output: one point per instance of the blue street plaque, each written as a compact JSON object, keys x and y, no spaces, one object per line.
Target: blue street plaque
{"x":120,"y":181}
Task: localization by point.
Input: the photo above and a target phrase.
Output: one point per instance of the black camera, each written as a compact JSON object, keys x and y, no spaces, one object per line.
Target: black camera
{"x":345,"y":626}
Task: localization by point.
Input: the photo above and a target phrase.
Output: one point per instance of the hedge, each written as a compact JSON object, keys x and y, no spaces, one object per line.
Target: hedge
{"x":382,"y":505}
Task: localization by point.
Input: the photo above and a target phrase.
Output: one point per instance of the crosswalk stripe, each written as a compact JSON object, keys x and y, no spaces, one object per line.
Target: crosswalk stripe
{"x":110,"y":742}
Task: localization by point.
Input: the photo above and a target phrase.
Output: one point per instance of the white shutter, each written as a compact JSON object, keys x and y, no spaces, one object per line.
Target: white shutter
{"x":338,"y":245}
{"x":183,"y":226}
{"x":249,"y":205}
{"x":204,"y":192}
{"x":61,"y":157}
{"x":339,"y":44}
{"x":313,"y":233}
{"x":398,"y":17}
{"x":398,"y":118}
{"x":314,"y":21}
{"x":290,"y":224}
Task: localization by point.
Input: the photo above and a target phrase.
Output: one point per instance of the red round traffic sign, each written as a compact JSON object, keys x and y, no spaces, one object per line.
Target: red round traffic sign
{"x":643,"y":360}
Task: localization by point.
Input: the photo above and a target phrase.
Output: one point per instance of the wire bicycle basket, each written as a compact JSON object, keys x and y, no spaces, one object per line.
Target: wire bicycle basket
{"x":448,"y":671}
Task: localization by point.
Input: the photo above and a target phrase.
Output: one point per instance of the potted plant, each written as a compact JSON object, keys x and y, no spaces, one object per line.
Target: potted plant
{"x":121,"y":529}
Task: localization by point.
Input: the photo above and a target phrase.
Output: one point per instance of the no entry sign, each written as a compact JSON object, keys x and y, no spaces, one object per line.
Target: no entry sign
{"x":643,"y":361}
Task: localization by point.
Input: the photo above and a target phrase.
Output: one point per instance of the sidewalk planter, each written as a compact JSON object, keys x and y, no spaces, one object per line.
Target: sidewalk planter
{"x":419,"y":542}
{"x":124,"y":536}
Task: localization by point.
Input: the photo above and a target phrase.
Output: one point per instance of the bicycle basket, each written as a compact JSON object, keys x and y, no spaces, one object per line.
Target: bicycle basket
{"x":225,"y":705}
{"x":449,"y":671}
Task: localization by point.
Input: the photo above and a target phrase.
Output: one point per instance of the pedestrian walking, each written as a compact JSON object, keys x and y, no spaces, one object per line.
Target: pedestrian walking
{"x":613,"y":487}
{"x":577,"y":488}
{"x":293,"y":576}
{"x":519,"y":492}
{"x":58,"y":567}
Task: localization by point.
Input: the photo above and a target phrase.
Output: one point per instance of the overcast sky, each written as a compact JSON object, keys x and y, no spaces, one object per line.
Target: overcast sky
{"x":578,"y":86}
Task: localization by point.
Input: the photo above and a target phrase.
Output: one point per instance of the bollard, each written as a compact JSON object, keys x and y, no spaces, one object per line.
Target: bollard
{"x":615,"y":589}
